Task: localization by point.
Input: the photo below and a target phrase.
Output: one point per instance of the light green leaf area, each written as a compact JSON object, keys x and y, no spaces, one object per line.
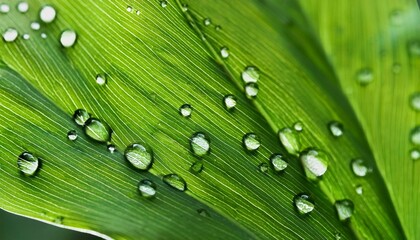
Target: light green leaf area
{"x":156,"y":59}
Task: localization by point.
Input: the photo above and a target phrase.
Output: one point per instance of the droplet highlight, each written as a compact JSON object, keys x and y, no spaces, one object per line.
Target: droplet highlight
{"x":298,"y":126}
{"x":147,"y":188}
{"x":72,"y":135}
{"x":230,"y":102}
{"x":250,"y":74}
{"x":10,"y":35}
{"x":101,"y":79}
{"x":23,"y":7}
{"x":278,"y":163}
{"x":314,"y":162}
{"x":35,"y":26}
{"x":336,"y":128}
{"x":251,"y":90}
{"x":140,"y":156}
{"x":251,"y":142}
{"x":111,"y":148}
{"x":4,"y":8}
{"x":359,"y":167}
{"x":224,"y":52}
{"x":175,"y":181}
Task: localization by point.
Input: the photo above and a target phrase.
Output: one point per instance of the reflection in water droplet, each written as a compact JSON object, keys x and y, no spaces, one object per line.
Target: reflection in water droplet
{"x":140,"y":156}
{"x":344,"y":209}
{"x":415,"y":101}
{"x":175,"y":181}
{"x":197,"y":167}
{"x":72,"y":135}
{"x":263,"y":167}
{"x":10,"y":35}
{"x":185,"y":110}
{"x":101,"y":79}
{"x":47,"y":14}
{"x":23,"y":7}
{"x":4,"y":8}
{"x":163,"y":3}
{"x":229,"y":102}
{"x":203,"y":212}
{"x":200,"y":144}
{"x":251,"y":90}
{"x":207,"y":21}
{"x":359,"y":189}
{"x":35,"y":26}
{"x":251,"y":142}
{"x":111,"y":148}
{"x":97,"y":130}
{"x":68,"y":38}
{"x":279,"y":164}
{"x":28,"y":164}
{"x":147,"y":188}
{"x":336,"y":128}
{"x":224,"y":52}
{"x":315,"y":163}
{"x":415,"y":135}
{"x":298,"y":126}
{"x":80,"y":116}
{"x":365,"y":76}
{"x":359,"y":167}
{"x":250,"y":74}
{"x":290,"y":140}
{"x":303,"y":203}
{"x":415,"y":154}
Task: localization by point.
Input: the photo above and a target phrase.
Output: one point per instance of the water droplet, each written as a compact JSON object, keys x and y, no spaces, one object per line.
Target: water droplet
{"x":415,"y":154}
{"x":251,"y":142}
{"x":415,"y":101}
{"x":129,"y":9}
{"x":175,"y":181}
{"x":26,"y":36}
{"x":336,"y":128}
{"x":290,"y":140}
{"x":4,"y":8}
{"x":251,"y":74}
{"x":147,"y":188}
{"x":229,"y":101}
{"x":337,"y":236}
{"x":224,"y":52}
{"x":415,"y":135}
{"x":200,"y":144}
{"x":101,"y":79}
{"x":396,"y":68}
{"x":28,"y":164}
{"x":97,"y":130}
{"x":184,"y":7}
{"x":396,"y":17}
{"x":72,"y":135}
{"x":315,"y":163}
{"x":359,"y":167}
{"x":218,"y":28}
{"x":68,"y":38}
{"x":251,"y":90}
{"x":80,"y":116}
{"x":203,"y":212}
{"x":35,"y":26}
{"x":303,"y":203}
{"x":359,"y":189}
{"x":140,"y":156}
{"x":185,"y":110}
{"x":279,"y":164}
{"x":138,"y":12}
{"x":344,"y":209}
{"x":111,"y":148}
{"x":298,"y":126}
{"x":263,"y":167}
{"x":23,"y":7}
{"x":59,"y":220}
{"x":197,"y":167}
{"x":47,"y":14}
{"x":10,"y":35}
{"x":365,"y":76}
{"x":207,"y":22}
{"x":163,"y":3}
{"x":414,"y":47}
{"x":43,"y":35}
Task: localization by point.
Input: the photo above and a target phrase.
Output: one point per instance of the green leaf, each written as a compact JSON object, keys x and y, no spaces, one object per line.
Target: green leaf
{"x":157,"y":60}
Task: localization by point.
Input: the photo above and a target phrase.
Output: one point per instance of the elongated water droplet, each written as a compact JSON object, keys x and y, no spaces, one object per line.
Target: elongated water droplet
{"x":359,"y":189}
{"x":35,"y":26}
{"x":147,"y":188}
{"x":101,"y":79}
{"x":4,"y":8}
{"x":207,"y":21}
{"x":336,"y":128}
{"x":200,"y":144}
{"x":344,"y":209}
{"x":415,"y":154}
{"x":185,"y":110}
{"x":251,"y":90}
{"x":139,"y":155}
{"x":290,"y":140}
{"x":224,"y":52}
{"x":251,"y":142}
{"x":68,"y":38}
{"x":303,"y":203}
{"x":23,"y":7}
{"x":98,"y":130}
{"x":175,"y":181}
{"x":197,"y":167}
{"x":250,"y":74}
{"x":415,"y":101}
{"x":298,"y":126}
{"x":72,"y":135}
{"x":203,"y":212}
{"x":414,"y":47}
{"x":359,"y":167}
{"x":229,"y":102}
{"x":10,"y":35}
{"x":111,"y":148}
{"x":315,"y":163}
{"x":47,"y":14}
{"x":365,"y":76}
{"x":28,"y":164}
{"x":263,"y":167}
{"x":278,"y":162}
{"x":80,"y":116}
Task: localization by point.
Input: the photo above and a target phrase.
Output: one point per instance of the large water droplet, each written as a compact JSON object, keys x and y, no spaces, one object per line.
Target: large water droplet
{"x":10,"y":35}
{"x":224,"y":52}
{"x":140,"y":156}
{"x":35,"y":26}
{"x":200,"y":144}
{"x":298,"y":126}
{"x":415,"y":101}
{"x":251,"y":142}
{"x":147,"y":188}
{"x":263,"y":167}
{"x":278,"y":162}
{"x":28,"y":164}
{"x":251,"y":90}
{"x":250,"y":74}
{"x":229,"y":102}
{"x":197,"y":167}
{"x":68,"y":38}
{"x":290,"y":140}
{"x":4,"y":8}
{"x":80,"y":116}
{"x":175,"y":181}
{"x":359,"y":167}
{"x":415,"y":154}
{"x":72,"y":135}
{"x":185,"y":110}
{"x":47,"y":14}
{"x":303,"y":203}
{"x":344,"y":209}
{"x":23,"y":7}
{"x":336,"y":128}
{"x":365,"y":76}
{"x":98,"y":130}
{"x":315,"y":163}
{"x":101,"y":79}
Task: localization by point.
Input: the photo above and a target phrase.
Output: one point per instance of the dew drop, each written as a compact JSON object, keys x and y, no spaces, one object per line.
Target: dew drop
{"x":278,"y":162}
{"x":218,"y":28}
{"x":414,"y":47}
{"x":298,"y":126}
{"x":251,"y":90}
{"x":415,"y":101}
{"x":184,"y":7}
{"x":197,"y":167}
{"x":147,"y":188}
{"x":415,"y":135}
{"x":80,"y":116}
{"x":359,"y":167}
{"x":415,"y":154}
{"x":138,"y":12}
{"x":263,"y":167}
{"x":336,"y":128}
{"x":250,"y":74}
{"x":47,"y":14}
{"x":139,"y":155}
{"x":28,"y":164}
{"x":224,"y":52}
{"x":200,"y":144}
{"x":229,"y":102}
{"x":315,"y":163}
{"x":344,"y":209}
{"x":23,"y":7}
{"x":43,"y":35}
{"x":111,"y":148}
{"x":26,"y":36}
{"x":4,"y":8}
{"x":203,"y":212}
{"x":185,"y":110}
{"x":163,"y":3}
{"x":290,"y":140}
{"x":303,"y":203}
{"x":10,"y":35}
{"x":97,"y":130}
{"x":101,"y":79}
{"x":175,"y":181}
{"x":364,"y":76}
{"x":68,"y":38}
{"x":251,"y":142}
{"x":129,"y":9}
{"x":72,"y":135}
{"x":207,"y":22}
{"x":359,"y":189}
{"x":35,"y":26}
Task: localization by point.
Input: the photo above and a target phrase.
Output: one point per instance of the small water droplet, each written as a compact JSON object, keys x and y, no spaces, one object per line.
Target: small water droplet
{"x":35,"y":26}
{"x":28,"y":164}
{"x":337,"y":236}
{"x":396,"y":17}
{"x":224,"y":52}
{"x":229,"y":102}
{"x":218,"y":28}
{"x":26,"y":36}
{"x":138,"y":12}
{"x":59,"y":220}
{"x":414,"y":47}
{"x":147,"y":188}
{"x":129,"y":9}
{"x":200,"y":144}
{"x":111,"y":148}
{"x":415,"y":154}
{"x":290,"y":140}
{"x":263,"y":167}
{"x":336,"y":128}
{"x":315,"y":163}
{"x":303,"y":203}
{"x":185,"y":110}
{"x":68,"y":38}
{"x":43,"y":35}
{"x":10,"y":35}
{"x":359,"y":167}
{"x":163,"y":3}
{"x":203,"y":212}
{"x":207,"y":21}
{"x":72,"y":135}
{"x":251,"y":142}
{"x":359,"y":189}
{"x":344,"y":209}
{"x":175,"y":181}
{"x":101,"y":79}
{"x":197,"y":167}
{"x":80,"y":116}
{"x":140,"y":156}
{"x":251,"y":90}
{"x":23,"y":7}
{"x":298,"y":126}
{"x":364,"y":76}
{"x":98,"y":130}
{"x":278,"y":162}
{"x":47,"y":14}
{"x":415,"y":101}
{"x":396,"y":68}
{"x":4,"y":8}
{"x":251,"y":74}
{"x":184,"y":7}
